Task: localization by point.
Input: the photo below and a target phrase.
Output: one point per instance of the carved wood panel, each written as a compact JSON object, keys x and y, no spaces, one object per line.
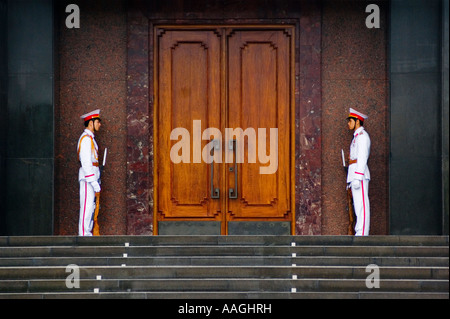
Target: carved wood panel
{"x":230,"y":80}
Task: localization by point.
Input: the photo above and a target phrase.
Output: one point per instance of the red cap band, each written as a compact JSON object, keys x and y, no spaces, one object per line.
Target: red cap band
{"x":91,"y":117}
{"x":357,"y":116}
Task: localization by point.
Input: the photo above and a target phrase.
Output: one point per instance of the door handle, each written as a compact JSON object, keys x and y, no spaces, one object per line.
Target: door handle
{"x":215,"y":192}
{"x":233,"y":192}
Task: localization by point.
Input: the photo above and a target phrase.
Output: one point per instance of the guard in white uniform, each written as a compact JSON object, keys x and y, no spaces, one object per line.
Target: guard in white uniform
{"x":89,"y":172}
{"x":358,"y":176}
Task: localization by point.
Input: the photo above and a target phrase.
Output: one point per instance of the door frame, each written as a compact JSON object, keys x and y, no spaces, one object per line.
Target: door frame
{"x":292,"y":26}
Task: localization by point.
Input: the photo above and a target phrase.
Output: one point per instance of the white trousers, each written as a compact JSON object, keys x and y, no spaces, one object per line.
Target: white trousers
{"x":87,"y":208}
{"x":362,"y":208}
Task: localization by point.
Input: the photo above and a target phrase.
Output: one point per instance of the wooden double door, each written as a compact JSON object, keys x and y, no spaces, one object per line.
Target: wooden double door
{"x":223,"y":147}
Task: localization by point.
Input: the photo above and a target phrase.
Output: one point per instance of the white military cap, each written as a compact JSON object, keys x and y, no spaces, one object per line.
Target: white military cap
{"x":91,"y":115}
{"x":356,"y":114}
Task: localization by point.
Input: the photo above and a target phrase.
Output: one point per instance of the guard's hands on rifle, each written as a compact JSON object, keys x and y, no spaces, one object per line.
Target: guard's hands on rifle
{"x":356,"y":184}
{"x":96,"y":186}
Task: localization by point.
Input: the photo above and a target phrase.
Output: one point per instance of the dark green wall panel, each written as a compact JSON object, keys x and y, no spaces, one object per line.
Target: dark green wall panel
{"x":3,"y":104}
{"x":28,"y":118}
{"x":29,"y":194}
{"x":416,"y":117}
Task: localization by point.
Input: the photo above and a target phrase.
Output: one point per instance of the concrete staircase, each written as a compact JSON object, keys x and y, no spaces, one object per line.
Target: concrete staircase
{"x":189,"y":267}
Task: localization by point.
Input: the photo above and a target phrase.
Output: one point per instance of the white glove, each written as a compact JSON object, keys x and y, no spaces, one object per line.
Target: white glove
{"x":356,"y":184}
{"x":95,"y":185}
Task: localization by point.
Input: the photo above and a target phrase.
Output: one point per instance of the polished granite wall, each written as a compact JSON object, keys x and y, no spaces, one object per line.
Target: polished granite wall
{"x":50,"y":75}
{"x":91,"y":74}
{"x":354,"y":74}
{"x":107,"y":64}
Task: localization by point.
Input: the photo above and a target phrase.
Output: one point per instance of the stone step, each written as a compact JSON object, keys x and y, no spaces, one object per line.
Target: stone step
{"x":226,"y":295}
{"x":146,"y":272}
{"x":296,"y":267}
{"x":220,"y":285}
{"x":226,"y":261}
{"x":191,"y":250}
{"x":223,"y":240}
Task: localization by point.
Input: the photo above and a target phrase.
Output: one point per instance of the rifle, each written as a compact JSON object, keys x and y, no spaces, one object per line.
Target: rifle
{"x":96,"y":228}
{"x":351,"y":212}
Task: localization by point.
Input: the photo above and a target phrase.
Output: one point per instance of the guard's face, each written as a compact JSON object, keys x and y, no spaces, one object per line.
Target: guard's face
{"x":97,"y":125}
{"x":351,"y":124}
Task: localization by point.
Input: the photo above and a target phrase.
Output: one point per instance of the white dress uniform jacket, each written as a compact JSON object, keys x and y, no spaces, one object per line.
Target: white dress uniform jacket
{"x":88,"y":174}
{"x":88,"y":155}
{"x":358,"y":178}
{"x":359,"y":151}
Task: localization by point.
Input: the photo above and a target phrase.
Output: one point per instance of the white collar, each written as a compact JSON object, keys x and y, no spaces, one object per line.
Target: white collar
{"x":89,"y":132}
